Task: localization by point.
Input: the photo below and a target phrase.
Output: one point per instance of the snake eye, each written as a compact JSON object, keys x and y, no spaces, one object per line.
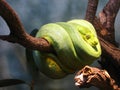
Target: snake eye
{"x":88,"y":36}
{"x":91,"y":39}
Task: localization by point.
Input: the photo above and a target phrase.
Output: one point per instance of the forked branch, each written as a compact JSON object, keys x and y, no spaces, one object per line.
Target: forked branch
{"x":90,"y":76}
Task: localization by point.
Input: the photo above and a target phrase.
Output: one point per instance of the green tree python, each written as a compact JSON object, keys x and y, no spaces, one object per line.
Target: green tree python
{"x":75,"y":45}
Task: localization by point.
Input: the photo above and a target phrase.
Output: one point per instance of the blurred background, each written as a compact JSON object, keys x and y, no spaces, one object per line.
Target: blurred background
{"x":34,"y":14}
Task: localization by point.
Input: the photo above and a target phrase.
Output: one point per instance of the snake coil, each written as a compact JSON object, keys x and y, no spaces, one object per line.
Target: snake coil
{"x":75,"y":44}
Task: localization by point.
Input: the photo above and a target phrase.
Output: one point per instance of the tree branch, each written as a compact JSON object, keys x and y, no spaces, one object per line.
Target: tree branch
{"x":107,"y":19}
{"x":110,"y":54}
{"x":111,"y":50}
{"x":110,"y":58}
{"x":91,"y":10}
{"x":108,"y":48}
{"x":91,"y":76}
{"x":17,"y":31}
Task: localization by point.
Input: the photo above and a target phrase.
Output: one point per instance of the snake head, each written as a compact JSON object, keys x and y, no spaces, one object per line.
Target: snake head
{"x":90,"y":39}
{"x":88,"y":36}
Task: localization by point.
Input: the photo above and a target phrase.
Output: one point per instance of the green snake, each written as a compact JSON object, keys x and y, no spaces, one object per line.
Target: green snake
{"x":75,"y":45}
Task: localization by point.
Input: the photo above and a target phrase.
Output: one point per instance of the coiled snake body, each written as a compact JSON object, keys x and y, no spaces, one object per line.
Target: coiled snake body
{"x":75,"y":44}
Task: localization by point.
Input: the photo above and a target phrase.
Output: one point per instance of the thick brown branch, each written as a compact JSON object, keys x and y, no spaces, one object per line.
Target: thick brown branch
{"x":111,"y":50}
{"x":91,"y":10}
{"x":91,"y":76}
{"x":107,"y":18}
{"x":108,"y":48}
{"x":110,"y":59}
{"x":17,"y":31}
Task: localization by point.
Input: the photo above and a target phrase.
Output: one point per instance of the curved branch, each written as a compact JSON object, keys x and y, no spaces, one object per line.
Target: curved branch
{"x":17,"y":31}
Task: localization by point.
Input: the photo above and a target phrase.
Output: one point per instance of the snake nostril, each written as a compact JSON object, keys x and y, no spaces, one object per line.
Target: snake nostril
{"x":95,"y":42}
